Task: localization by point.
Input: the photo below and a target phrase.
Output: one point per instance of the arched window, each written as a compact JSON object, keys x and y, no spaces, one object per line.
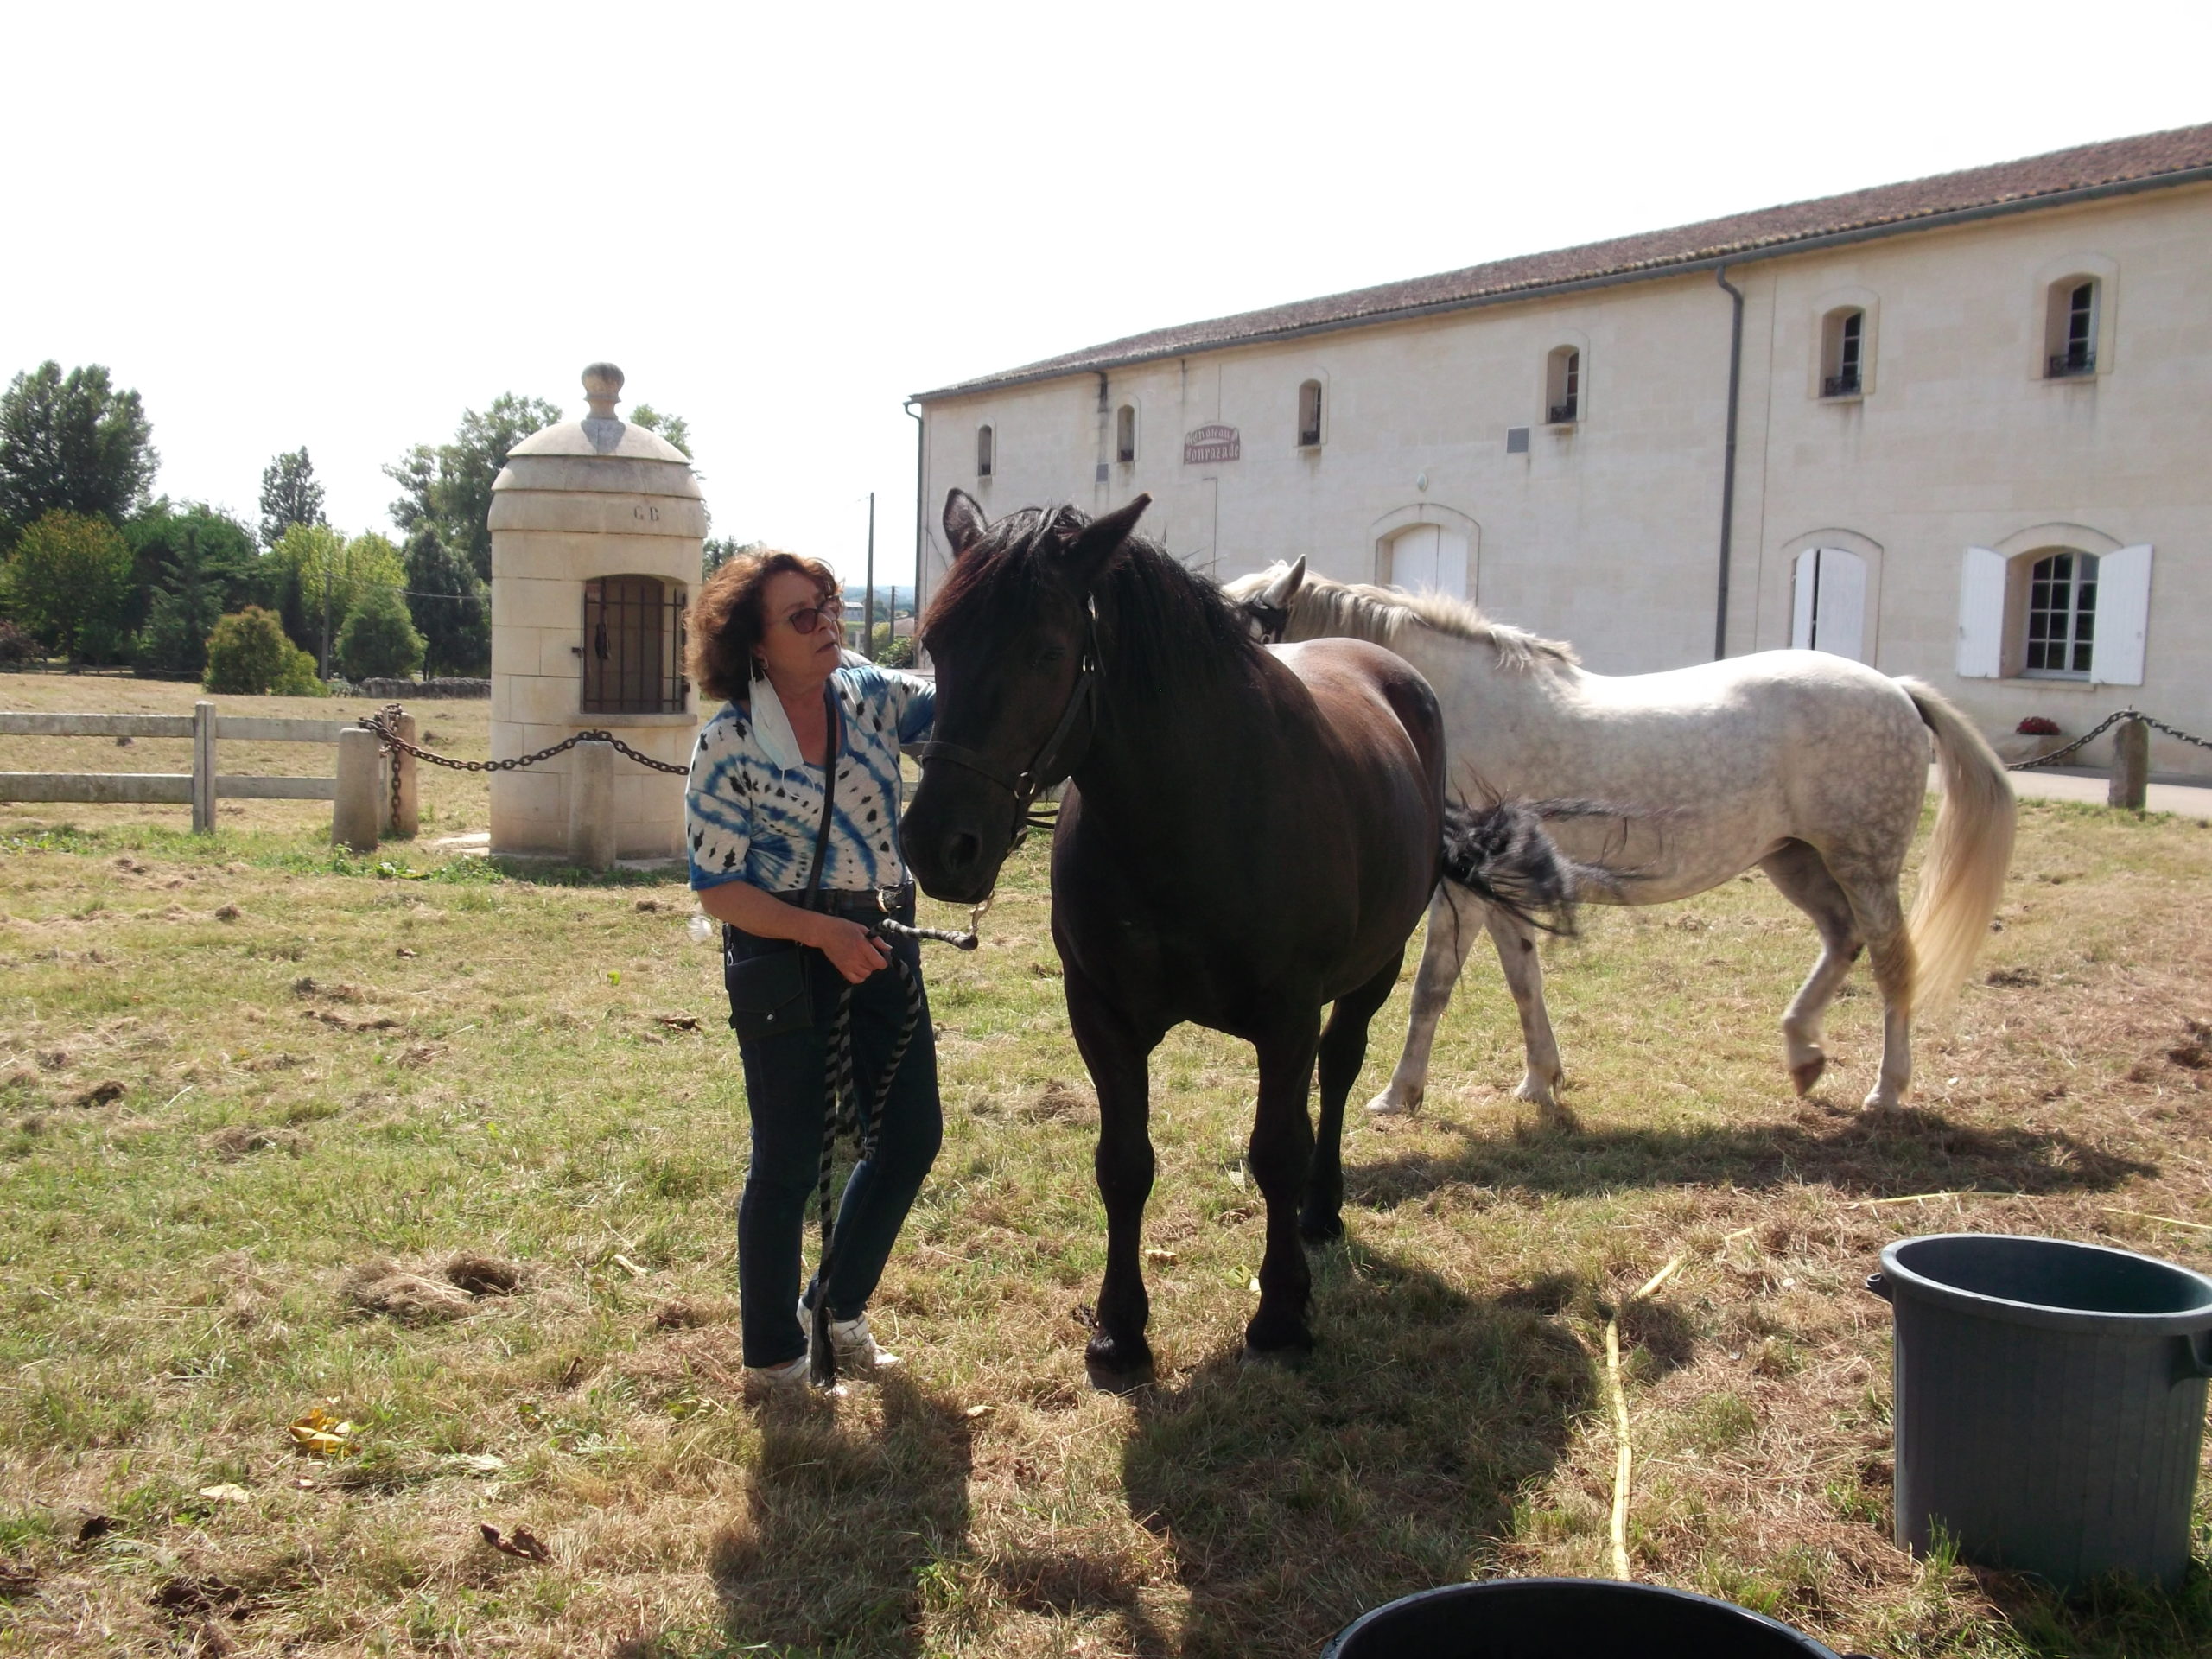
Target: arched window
{"x":1563,"y":387}
{"x":1843,"y":342}
{"x":633,"y":646}
{"x":1125,"y":434}
{"x":2071,"y":327}
{"x":986,"y":451}
{"x":1309,"y":414}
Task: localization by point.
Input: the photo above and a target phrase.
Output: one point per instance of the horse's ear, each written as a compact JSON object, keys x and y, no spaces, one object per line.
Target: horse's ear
{"x":1100,"y":539}
{"x":963,"y":521}
{"x":1278,"y":594}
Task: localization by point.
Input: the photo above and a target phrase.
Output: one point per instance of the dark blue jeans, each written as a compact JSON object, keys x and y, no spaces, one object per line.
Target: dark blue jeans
{"x":786,"y":1096}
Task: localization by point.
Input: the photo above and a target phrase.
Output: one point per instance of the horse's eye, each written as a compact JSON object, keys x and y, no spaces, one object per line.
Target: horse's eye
{"x":1048,"y":656}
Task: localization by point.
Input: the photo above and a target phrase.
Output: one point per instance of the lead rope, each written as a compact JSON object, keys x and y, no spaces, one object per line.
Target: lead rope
{"x":842,"y":1115}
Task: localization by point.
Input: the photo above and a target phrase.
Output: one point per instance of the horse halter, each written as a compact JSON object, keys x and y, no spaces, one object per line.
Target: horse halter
{"x":1045,"y":768}
{"x":1271,"y":623}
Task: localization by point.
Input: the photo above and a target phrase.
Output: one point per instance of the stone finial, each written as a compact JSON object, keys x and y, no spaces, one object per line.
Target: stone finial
{"x":602,"y":390}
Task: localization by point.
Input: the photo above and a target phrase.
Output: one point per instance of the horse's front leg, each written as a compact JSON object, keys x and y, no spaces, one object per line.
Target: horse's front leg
{"x":1454,"y":918}
{"x":1281,"y":1154}
{"x":1116,"y":1052}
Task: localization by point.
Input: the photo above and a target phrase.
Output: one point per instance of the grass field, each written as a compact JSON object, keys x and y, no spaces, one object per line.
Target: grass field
{"x":248,"y":1085}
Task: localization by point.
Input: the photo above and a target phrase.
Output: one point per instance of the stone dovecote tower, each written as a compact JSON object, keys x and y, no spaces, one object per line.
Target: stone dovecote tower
{"x":597,"y":530}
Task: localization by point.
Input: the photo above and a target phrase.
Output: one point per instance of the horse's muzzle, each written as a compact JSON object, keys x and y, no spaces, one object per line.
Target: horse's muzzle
{"x":952,"y":849}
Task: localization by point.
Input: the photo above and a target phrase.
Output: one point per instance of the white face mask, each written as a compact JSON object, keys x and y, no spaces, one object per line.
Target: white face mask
{"x":772,"y":727}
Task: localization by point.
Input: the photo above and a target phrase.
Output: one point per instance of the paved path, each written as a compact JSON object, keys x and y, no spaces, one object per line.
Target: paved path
{"x":2190,"y":800}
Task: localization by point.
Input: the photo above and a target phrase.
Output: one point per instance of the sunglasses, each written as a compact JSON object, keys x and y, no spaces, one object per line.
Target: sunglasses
{"x":808,"y":621}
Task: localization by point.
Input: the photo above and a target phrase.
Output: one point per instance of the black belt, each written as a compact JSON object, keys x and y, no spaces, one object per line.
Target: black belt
{"x":856,"y":904}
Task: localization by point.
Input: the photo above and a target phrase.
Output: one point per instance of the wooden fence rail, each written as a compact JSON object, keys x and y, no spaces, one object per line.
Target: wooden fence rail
{"x":361,"y":792}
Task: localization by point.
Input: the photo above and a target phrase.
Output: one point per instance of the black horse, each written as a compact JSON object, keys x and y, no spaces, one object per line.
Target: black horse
{"x":1251,"y":833}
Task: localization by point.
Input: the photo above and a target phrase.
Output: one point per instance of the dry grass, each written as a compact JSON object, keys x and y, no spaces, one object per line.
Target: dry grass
{"x":356,"y":1083}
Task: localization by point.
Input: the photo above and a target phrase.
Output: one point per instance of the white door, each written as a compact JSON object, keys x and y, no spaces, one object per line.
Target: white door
{"x":1830,"y":609}
{"x":1428,"y":558}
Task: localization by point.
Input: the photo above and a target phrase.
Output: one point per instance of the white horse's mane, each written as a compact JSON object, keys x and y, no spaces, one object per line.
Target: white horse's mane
{"x":1381,"y":615}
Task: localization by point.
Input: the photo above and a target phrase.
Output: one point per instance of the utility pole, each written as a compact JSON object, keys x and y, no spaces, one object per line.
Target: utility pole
{"x":325,"y":670}
{"x":868,"y":610}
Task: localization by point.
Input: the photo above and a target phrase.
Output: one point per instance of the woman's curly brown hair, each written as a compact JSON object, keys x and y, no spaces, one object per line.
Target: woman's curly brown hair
{"x":725,"y":624}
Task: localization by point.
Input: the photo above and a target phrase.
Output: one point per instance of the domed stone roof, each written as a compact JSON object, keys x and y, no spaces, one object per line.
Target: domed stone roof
{"x":600,"y":452}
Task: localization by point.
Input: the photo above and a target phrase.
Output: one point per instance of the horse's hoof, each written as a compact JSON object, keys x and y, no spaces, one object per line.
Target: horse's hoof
{"x":1388,"y":1104}
{"x":1321,"y":1229}
{"x":1538,"y":1091}
{"x":1275,"y":1339}
{"x":1117,"y":1366}
{"x":1882,"y":1100}
{"x":1806,"y":1075}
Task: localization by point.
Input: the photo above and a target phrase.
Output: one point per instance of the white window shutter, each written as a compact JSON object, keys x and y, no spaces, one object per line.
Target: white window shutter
{"x":1981,"y":614}
{"x":1801,"y":610}
{"x":2123,"y":617}
{"x":1843,"y":604}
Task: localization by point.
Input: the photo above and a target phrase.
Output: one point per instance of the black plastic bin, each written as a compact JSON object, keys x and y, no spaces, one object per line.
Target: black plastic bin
{"x":1566,"y":1618}
{"x":2050,"y":1403}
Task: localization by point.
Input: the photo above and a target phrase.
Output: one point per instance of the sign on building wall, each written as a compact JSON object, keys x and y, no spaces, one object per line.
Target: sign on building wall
{"x":1210,"y":443}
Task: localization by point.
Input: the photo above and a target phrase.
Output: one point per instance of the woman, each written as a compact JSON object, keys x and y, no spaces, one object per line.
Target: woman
{"x":765,"y":636}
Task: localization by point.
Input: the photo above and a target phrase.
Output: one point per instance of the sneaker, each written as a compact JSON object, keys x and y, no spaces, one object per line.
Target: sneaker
{"x":851,"y":1341}
{"x":784,"y":1382}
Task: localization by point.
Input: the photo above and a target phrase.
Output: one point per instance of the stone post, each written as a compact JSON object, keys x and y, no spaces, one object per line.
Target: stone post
{"x":2131,"y":766}
{"x":591,"y":805}
{"x":353,"y":812}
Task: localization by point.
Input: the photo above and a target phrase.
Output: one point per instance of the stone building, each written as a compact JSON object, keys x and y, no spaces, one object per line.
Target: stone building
{"x":1956,"y":428}
{"x":597,"y":530}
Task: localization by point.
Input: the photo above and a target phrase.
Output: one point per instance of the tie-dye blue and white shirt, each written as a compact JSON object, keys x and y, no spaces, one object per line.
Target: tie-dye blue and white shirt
{"x":747,"y":818}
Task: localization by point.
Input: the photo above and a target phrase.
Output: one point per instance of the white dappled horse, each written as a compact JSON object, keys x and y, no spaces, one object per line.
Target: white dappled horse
{"x":1808,"y":764}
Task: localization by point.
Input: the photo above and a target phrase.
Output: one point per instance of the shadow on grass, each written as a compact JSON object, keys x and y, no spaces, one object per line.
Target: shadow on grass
{"x":2112,"y":1619}
{"x":1294,"y":1500}
{"x":842,"y":1523}
{"x":1876,"y":1153}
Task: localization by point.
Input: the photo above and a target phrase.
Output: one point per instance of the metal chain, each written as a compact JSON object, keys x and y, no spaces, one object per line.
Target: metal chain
{"x":2161,"y":726}
{"x":391,"y":739}
{"x":2099,"y":729}
{"x":2057,"y":755}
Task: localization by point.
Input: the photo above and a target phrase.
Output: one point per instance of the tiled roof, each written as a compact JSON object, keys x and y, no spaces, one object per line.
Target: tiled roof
{"x":2119,"y":163}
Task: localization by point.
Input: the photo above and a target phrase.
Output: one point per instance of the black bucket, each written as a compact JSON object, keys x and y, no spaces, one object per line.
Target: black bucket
{"x":2050,"y":1401}
{"x":1566,"y":1618}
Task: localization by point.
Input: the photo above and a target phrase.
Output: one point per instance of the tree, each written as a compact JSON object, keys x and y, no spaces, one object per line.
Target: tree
{"x":719,"y":550}
{"x":68,"y":580}
{"x":673,"y":427}
{"x":289,"y":495}
{"x":449,"y":488}
{"x":73,"y":444}
{"x":193,"y":564}
{"x":248,"y":655}
{"x":451,"y":608}
{"x":321,"y":576}
{"x":379,"y":642}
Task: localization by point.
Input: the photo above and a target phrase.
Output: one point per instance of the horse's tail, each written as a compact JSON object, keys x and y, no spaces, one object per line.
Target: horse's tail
{"x":1962,"y":877}
{"x":1503,"y":855}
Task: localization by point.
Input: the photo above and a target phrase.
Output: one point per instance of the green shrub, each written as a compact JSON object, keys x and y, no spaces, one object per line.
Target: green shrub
{"x":378,"y":640}
{"x":248,"y":653}
{"x":298,"y":678}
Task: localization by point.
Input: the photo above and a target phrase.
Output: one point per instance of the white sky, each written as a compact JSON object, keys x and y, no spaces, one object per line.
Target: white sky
{"x":339,"y":225}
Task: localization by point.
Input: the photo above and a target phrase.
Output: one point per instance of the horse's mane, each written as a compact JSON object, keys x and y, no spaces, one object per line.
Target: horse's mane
{"x":1381,"y":615}
{"x":1158,"y":623}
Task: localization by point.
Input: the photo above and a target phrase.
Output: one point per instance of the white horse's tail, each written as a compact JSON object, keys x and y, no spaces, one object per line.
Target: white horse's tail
{"x":1962,"y":877}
